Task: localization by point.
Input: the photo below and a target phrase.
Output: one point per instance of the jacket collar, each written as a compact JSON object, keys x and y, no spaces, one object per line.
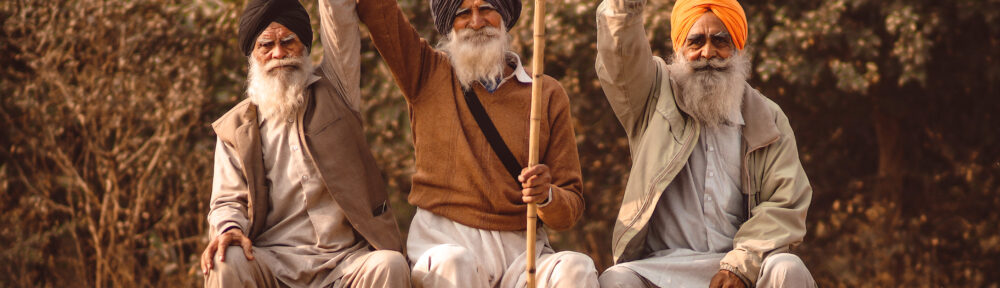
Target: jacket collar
{"x":761,"y":128}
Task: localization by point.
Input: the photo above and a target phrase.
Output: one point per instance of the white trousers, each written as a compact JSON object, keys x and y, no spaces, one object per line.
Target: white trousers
{"x":381,"y":268}
{"x":779,"y":270}
{"x":447,"y":254}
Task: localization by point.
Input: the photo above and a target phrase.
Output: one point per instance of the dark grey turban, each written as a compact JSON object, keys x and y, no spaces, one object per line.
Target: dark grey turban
{"x":443,"y":12}
{"x":260,"y":13}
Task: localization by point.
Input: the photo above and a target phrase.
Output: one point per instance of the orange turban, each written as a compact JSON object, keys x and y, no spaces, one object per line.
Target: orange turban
{"x":686,"y":12}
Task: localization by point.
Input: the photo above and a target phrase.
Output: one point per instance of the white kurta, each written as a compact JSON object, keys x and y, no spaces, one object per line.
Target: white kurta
{"x":698,"y":214}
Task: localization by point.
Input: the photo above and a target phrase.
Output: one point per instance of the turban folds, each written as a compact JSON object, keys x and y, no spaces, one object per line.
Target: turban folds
{"x":686,"y":12}
{"x":443,"y":12}
{"x":260,"y":13}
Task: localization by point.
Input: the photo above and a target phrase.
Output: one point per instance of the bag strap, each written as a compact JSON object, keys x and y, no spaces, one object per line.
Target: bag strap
{"x":492,"y":136}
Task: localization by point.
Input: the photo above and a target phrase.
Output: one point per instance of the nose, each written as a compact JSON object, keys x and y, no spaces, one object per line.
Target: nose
{"x":477,"y":20}
{"x":708,"y":51}
{"x":279,"y":52}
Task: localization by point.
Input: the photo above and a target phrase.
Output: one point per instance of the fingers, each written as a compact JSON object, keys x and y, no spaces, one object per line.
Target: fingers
{"x":247,"y":247}
{"x":528,"y":172}
{"x":224,"y":241}
{"x":534,"y":195}
{"x":535,"y":176}
{"x":206,"y":257}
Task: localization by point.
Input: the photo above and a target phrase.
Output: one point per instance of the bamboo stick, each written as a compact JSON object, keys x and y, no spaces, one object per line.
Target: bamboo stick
{"x":536,"y":93}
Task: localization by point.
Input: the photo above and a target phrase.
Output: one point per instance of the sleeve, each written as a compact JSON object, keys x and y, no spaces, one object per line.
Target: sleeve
{"x":625,"y":64}
{"x":566,"y":204}
{"x":410,"y":58}
{"x":228,"y":205}
{"x":778,"y":223}
{"x":341,"y":37}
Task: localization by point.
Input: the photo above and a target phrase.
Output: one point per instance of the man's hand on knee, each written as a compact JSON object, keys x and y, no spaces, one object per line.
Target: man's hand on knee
{"x":726,"y":279}
{"x":219,"y":243}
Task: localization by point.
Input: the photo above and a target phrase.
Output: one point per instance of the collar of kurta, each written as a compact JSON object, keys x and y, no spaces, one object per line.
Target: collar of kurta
{"x":521,"y":75}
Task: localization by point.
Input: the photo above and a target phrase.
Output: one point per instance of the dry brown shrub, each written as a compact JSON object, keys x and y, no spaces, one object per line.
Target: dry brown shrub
{"x":107,"y":150}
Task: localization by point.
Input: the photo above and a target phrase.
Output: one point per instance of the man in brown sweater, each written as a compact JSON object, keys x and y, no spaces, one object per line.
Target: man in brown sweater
{"x":469,"y":230}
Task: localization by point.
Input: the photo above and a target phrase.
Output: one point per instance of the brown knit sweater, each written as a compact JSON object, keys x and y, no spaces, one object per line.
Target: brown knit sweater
{"x":458,"y":176}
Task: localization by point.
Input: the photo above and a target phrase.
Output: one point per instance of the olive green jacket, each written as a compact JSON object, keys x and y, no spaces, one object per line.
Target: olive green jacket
{"x":662,"y":137}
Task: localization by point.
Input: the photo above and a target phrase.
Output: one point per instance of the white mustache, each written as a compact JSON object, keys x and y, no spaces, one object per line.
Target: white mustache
{"x":717,"y":64}
{"x":479,"y":36}
{"x":294,"y":62}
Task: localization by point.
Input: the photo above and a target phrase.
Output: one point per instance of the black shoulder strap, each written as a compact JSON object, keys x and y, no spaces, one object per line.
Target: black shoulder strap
{"x":496,"y":142}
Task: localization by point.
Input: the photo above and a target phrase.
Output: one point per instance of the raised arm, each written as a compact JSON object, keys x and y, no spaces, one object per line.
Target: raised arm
{"x":409,"y":57}
{"x":341,"y":37}
{"x":625,"y":64}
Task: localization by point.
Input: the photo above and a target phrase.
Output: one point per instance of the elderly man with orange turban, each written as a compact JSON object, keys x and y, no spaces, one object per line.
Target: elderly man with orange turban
{"x":717,"y":196}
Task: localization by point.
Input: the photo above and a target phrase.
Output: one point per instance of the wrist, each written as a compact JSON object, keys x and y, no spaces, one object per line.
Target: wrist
{"x":547,"y":199}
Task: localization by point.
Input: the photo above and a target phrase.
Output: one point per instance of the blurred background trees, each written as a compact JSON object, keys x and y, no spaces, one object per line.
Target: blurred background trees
{"x":106,"y":158}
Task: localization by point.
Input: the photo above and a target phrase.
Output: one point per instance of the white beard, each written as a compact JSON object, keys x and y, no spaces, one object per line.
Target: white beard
{"x":278,"y":93}
{"x":712,"y":90}
{"x":477,"y":55}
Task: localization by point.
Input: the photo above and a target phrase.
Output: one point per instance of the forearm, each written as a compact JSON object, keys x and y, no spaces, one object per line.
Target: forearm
{"x":409,"y":57}
{"x":341,"y":37}
{"x":624,"y":63}
{"x":567,"y":204}
{"x":777,"y":223}
{"x":228,"y":205}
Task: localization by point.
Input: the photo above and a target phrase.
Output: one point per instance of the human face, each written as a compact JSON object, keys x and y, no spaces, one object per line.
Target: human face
{"x":476,"y":14}
{"x":708,"y":38}
{"x":277,"y":42}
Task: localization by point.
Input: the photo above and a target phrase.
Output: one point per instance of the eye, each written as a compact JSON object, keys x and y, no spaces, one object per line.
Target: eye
{"x":267,"y":45}
{"x":721,"y":41}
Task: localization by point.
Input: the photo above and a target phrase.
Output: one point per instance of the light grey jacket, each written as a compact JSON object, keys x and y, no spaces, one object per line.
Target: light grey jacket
{"x":662,"y":137}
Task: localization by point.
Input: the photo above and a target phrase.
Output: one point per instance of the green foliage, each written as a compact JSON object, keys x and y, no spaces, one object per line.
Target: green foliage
{"x":106,"y":158}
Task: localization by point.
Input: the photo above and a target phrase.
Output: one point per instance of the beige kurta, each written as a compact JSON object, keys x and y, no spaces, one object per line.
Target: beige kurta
{"x":307,"y":233}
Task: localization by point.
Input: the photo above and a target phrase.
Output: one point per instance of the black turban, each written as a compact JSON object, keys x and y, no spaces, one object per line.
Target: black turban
{"x":260,"y":13}
{"x":443,"y":12}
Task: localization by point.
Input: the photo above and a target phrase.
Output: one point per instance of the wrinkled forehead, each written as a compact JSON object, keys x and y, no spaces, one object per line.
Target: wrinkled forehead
{"x":707,"y":24}
{"x":275,"y":31}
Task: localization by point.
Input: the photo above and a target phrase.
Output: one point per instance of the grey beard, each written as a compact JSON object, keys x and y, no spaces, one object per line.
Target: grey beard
{"x":477,"y":55}
{"x":711,"y":91}
{"x":278,"y":93}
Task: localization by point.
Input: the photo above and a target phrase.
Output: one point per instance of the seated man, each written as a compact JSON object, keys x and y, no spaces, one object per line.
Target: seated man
{"x":296,"y":190}
{"x":717,"y":196}
{"x":469,"y":230}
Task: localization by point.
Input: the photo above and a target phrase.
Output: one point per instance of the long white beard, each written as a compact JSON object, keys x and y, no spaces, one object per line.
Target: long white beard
{"x":278,"y":93}
{"x":712,"y":90}
{"x":477,"y":55}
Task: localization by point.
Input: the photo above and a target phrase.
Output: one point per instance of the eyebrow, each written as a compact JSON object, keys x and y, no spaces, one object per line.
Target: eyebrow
{"x":270,"y":40}
{"x":485,"y":5}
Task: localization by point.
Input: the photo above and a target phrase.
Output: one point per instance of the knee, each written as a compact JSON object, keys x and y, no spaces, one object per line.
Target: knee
{"x":388,"y":261}
{"x":788,"y":266}
{"x":618,"y":276}
{"x":447,"y":255}
{"x":234,"y":262}
{"x":575,"y":263}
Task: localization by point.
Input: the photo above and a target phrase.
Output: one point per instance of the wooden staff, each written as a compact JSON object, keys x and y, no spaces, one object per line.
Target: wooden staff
{"x":537,"y":69}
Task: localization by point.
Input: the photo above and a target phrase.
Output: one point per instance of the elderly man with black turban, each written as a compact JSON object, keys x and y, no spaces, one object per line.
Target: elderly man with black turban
{"x":469,"y":102}
{"x":717,"y":196}
{"x":297,"y":200}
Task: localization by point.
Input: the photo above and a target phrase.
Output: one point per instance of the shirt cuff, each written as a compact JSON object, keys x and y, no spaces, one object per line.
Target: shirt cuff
{"x":547,"y":200}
